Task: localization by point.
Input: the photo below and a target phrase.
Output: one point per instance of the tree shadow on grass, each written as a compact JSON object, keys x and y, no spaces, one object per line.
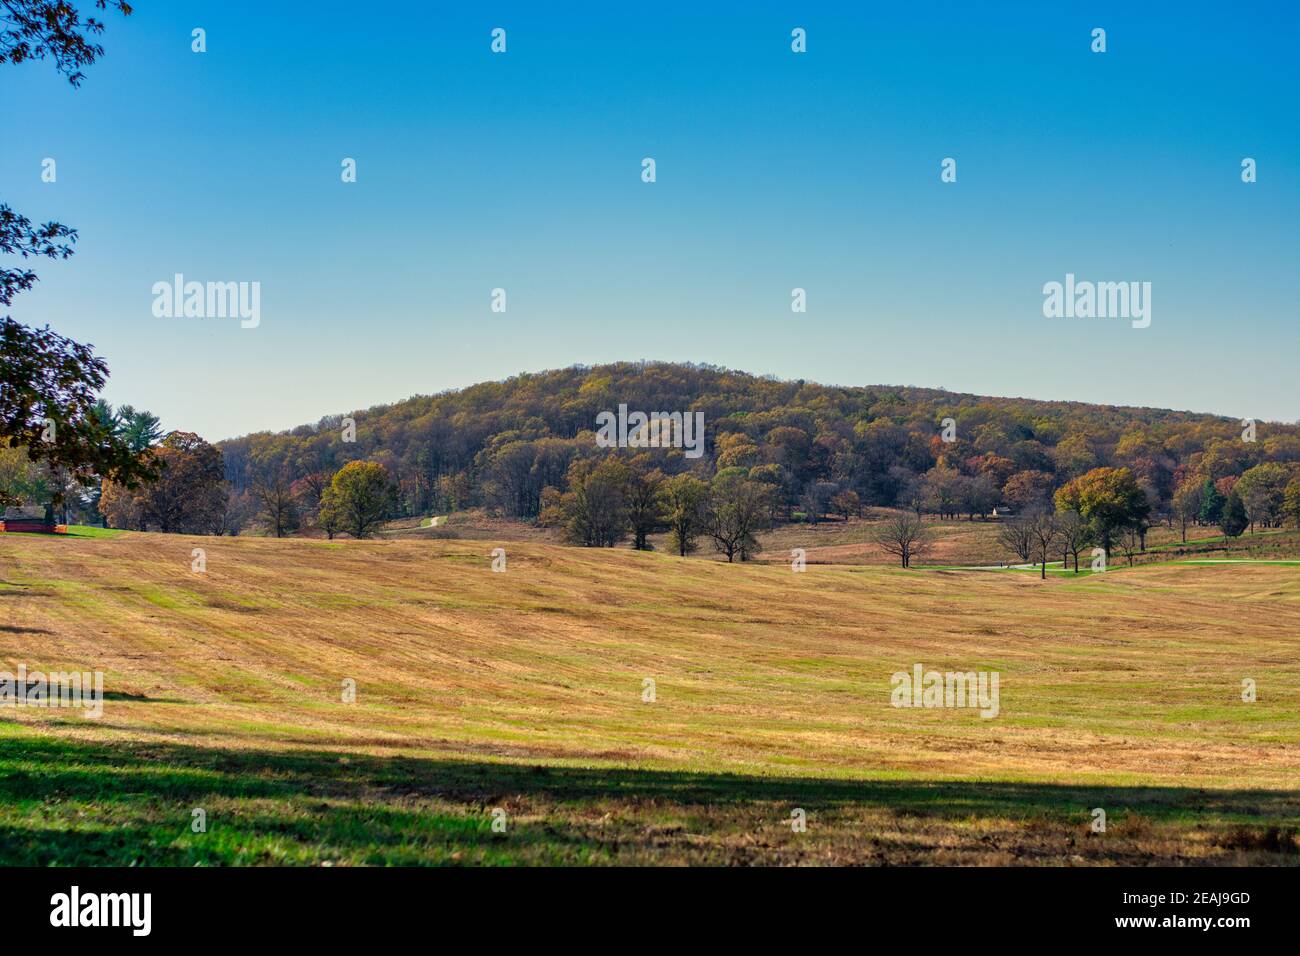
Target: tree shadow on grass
{"x":303,"y":806}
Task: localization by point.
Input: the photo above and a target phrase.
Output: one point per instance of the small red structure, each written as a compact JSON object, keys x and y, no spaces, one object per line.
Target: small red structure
{"x":29,"y":520}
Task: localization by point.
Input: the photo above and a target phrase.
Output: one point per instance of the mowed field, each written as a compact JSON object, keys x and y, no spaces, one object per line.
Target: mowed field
{"x":520,"y":697}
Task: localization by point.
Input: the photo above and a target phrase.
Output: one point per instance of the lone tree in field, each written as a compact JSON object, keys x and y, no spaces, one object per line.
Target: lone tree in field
{"x":1044,"y":534}
{"x":903,"y":536}
{"x":644,"y":513}
{"x":738,"y":509}
{"x":684,"y":501}
{"x":279,"y":504}
{"x":359,"y":498}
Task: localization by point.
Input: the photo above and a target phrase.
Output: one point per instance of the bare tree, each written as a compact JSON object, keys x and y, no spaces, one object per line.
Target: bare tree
{"x":903,"y":536}
{"x":1044,"y":534}
{"x":279,"y":505}
{"x":1075,"y":535}
{"x":1129,"y":541}
{"x":1017,"y":537}
{"x":738,"y":510}
{"x":310,"y":488}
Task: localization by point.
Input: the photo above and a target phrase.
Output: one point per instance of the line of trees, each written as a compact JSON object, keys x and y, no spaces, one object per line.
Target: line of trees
{"x":1108,"y":508}
{"x":611,"y":499}
{"x":192,"y":496}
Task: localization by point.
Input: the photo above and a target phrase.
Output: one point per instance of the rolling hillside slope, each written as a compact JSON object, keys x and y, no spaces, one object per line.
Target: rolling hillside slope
{"x":525,"y":691}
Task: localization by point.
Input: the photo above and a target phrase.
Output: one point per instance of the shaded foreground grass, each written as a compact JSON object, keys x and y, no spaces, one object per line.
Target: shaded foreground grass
{"x":64,"y":802}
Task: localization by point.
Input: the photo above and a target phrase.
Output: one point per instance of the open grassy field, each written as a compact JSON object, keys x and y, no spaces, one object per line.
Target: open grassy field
{"x":524,"y":692}
{"x":955,"y":542}
{"x":975,"y":543}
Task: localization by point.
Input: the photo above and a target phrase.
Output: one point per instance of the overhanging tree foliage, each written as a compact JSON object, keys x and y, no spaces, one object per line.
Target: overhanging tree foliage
{"x":48,"y":382}
{"x":55,"y":29}
{"x":47,"y":407}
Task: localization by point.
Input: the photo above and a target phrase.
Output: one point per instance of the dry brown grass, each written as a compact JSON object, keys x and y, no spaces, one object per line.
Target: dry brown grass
{"x":1122,"y":684}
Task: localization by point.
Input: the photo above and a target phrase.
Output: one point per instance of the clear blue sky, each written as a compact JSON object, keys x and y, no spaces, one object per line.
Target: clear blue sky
{"x":775,"y":170}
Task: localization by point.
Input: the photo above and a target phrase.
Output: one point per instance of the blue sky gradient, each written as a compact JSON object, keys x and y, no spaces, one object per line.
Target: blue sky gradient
{"x":775,"y":170}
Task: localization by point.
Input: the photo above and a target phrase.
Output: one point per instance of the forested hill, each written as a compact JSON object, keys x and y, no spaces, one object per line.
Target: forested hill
{"x":499,"y":444}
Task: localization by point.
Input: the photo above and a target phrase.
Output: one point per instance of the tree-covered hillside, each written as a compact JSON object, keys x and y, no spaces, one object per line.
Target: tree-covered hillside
{"x":817,"y":448}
